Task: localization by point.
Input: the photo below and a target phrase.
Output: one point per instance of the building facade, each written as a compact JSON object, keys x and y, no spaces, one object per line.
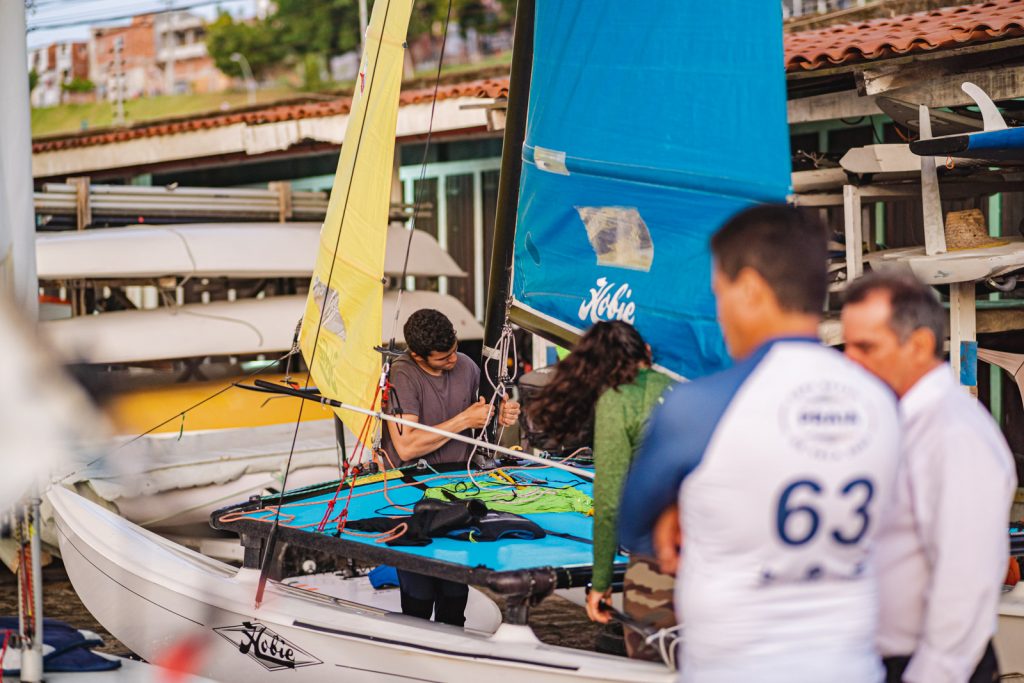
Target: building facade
{"x":56,"y":66}
{"x":156,"y":54}
{"x":124,"y":60}
{"x":181,"y":54}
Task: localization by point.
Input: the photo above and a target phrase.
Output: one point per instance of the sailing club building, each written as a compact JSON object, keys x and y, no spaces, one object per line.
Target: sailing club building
{"x":854,"y":83}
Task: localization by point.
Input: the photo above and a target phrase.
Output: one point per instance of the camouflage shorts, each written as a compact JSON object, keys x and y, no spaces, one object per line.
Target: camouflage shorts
{"x":648,"y":597}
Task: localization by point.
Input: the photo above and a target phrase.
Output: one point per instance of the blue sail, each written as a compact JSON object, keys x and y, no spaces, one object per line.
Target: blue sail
{"x":648,"y":126}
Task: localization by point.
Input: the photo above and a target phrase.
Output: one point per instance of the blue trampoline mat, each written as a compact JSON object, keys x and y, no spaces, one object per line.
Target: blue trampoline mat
{"x":505,"y":555}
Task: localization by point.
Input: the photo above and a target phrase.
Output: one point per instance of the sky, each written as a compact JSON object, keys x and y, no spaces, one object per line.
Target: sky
{"x":48,"y":20}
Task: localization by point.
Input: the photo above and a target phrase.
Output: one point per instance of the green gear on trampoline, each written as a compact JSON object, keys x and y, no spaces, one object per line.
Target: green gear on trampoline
{"x":521,"y":500}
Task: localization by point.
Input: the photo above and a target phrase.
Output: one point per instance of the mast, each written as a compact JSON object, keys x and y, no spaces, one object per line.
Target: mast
{"x":498,"y":280}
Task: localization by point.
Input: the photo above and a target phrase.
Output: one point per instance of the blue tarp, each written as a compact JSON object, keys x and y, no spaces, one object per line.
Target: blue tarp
{"x":648,"y":126}
{"x":370,"y":500}
{"x":70,"y":648}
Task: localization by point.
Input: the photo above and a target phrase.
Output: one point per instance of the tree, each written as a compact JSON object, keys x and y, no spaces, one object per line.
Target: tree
{"x":33,"y":80}
{"x":326,"y":28}
{"x":313,"y":32}
{"x":484,"y":16}
{"x":257,"y":41}
{"x":78,"y":85}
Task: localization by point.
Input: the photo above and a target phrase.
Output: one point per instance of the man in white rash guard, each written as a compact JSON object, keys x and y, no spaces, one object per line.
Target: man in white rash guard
{"x":781,"y":466}
{"x":942,"y":551}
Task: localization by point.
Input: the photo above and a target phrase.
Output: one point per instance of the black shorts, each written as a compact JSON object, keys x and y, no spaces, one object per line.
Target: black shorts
{"x":986,"y":672}
{"x":425,"y":595}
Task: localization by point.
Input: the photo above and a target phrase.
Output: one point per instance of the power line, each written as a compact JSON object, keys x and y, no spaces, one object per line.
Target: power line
{"x":82,"y":20}
{"x":66,"y":21}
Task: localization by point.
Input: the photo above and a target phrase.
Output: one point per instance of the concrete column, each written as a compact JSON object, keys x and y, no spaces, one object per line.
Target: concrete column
{"x":854,"y":229}
{"x":17,"y":214}
{"x":963,"y":336}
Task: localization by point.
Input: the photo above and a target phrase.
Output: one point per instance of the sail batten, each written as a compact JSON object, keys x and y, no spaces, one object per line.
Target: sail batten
{"x":342,"y":321}
{"x":646,"y":130}
{"x":665,"y":177}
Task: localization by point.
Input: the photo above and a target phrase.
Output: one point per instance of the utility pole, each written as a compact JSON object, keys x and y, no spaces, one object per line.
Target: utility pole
{"x":119,"y":79}
{"x":250,"y":81}
{"x":170,"y":45}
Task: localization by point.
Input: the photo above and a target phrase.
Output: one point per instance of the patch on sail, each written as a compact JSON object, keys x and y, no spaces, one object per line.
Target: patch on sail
{"x":619,"y":236}
{"x":550,"y":160}
{"x":331,"y":320}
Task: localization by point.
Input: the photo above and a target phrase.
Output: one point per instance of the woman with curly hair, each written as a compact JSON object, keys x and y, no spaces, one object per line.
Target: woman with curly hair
{"x":606,"y":386}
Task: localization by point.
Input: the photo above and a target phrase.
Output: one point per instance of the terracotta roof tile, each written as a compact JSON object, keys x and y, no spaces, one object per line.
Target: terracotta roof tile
{"x":490,"y":88}
{"x":880,"y":38}
{"x":807,"y":50}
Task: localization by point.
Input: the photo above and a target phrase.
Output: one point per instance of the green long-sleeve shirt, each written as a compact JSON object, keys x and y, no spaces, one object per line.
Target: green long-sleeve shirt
{"x":619,"y":420}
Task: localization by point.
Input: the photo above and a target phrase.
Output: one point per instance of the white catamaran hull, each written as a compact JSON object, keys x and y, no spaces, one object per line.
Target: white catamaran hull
{"x":152,"y":594}
{"x":130,"y":671}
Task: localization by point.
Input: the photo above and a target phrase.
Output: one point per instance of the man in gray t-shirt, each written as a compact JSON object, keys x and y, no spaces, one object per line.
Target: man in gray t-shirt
{"x":444,"y":400}
{"x":435,"y":385}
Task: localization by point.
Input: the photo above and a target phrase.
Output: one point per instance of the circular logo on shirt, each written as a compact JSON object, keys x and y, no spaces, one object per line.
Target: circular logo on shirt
{"x":825,"y":419}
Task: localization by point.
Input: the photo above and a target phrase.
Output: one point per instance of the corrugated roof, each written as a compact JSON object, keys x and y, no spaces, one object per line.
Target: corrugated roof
{"x":924,"y":31}
{"x":489,"y":88}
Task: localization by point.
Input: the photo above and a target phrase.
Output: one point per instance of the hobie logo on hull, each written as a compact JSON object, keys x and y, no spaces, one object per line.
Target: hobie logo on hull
{"x":272,"y":651}
{"x":609,"y":301}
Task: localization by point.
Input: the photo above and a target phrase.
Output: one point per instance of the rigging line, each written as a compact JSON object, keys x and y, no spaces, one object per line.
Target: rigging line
{"x":264,"y":570}
{"x":365,"y":432}
{"x":423,"y":173}
{"x":522,"y":455}
{"x":224,"y":318}
{"x":176,"y":416}
{"x":344,"y":209}
{"x":268,"y":387}
{"x":91,"y":17}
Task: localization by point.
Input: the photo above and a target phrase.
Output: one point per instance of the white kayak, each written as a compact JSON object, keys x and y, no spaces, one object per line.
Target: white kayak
{"x":211,"y":250}
{"x":152,"y":594}
{"x":961,"y":265}
{"x":222,"y":328}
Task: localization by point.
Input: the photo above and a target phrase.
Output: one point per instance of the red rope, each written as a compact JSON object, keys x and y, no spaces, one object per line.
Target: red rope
{"x":3,"y":653}
{"x":364,"y":434}
{"x":28,"y":590}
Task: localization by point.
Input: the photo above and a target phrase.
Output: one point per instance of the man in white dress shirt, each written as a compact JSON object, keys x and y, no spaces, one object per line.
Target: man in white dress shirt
{"x":942,"y":551}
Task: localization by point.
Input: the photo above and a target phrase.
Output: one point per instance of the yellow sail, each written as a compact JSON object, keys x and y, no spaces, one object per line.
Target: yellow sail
{"x":342,"y":322}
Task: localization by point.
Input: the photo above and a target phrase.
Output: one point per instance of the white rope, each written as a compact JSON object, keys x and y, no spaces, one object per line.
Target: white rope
{"x":478,"y":435}
{"x":505,"y":342}
{"x":667,"y":640}
{"x":459,"y":437}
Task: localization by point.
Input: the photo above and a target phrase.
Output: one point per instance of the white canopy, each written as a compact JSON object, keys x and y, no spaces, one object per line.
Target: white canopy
{"x":241,"y":250}
{"x":221,"y":328}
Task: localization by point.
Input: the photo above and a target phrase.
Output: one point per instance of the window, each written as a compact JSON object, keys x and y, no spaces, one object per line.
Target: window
{"x":464,"y":195}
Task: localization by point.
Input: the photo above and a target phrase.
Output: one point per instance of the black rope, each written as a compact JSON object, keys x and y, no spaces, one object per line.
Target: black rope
{"x":330,"y":273}
{"x":419,"y":193}
{"x":272,"y":538}
{"x":180,"y":414}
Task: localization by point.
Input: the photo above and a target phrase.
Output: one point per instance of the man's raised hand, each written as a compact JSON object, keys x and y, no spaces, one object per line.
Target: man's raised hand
{"x":509,"y":412}
{"x":478,"y":414}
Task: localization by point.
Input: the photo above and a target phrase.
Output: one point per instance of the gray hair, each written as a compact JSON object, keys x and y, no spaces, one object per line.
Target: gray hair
{"x":914,"y":305}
